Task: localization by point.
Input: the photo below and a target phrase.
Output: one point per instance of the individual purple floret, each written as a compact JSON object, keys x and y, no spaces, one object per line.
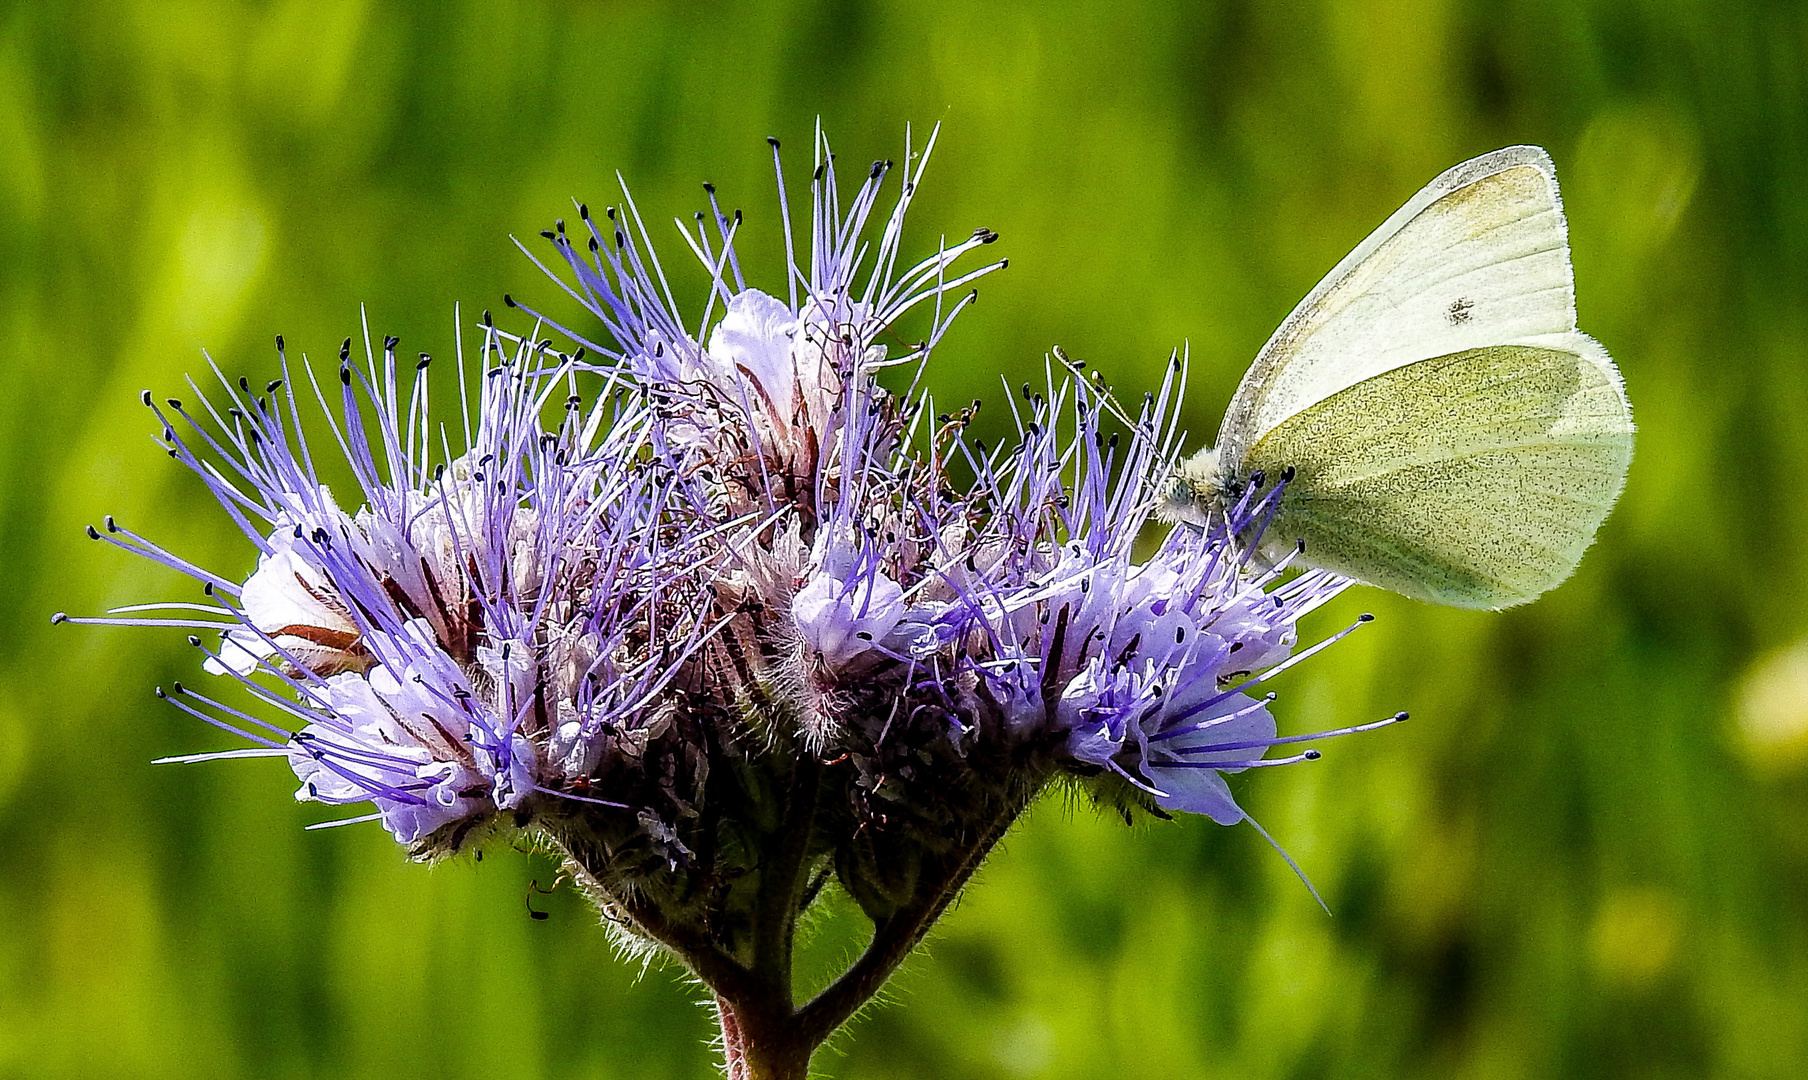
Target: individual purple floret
{"x":714,"y":615}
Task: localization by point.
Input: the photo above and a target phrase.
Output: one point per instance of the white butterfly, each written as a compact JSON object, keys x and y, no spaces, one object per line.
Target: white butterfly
{"x":1444,"y":429}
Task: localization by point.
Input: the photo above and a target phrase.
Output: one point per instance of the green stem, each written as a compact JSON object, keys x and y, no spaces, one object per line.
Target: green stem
{"x":895,"y":938}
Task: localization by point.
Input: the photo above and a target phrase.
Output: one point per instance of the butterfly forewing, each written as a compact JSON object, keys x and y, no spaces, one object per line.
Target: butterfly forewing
{"x":1480,"y":257}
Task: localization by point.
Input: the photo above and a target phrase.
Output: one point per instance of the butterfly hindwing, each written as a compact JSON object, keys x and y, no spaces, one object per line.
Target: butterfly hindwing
{"x":1474,"y":479}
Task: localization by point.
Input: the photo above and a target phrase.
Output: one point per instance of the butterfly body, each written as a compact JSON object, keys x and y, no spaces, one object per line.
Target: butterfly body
{"x":1444,"y":429}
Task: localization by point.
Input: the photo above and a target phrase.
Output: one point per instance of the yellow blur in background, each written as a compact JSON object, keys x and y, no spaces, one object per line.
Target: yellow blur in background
{"x":1586,"y":855}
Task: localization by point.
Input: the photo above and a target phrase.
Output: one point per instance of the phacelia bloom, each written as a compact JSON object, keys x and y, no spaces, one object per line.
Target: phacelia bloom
{"x":699,"y":602}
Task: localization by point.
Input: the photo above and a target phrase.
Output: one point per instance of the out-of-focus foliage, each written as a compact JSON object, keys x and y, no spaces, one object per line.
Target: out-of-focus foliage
{"x":1586,"y":856}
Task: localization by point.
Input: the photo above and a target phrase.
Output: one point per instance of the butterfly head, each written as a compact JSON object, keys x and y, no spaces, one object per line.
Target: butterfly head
{"x":1197,"y":491}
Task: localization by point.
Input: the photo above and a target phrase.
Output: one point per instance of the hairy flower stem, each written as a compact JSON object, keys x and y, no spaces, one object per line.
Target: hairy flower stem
{"x":766,"y":1035}
{"x":894,"y":938}
{"x":765,"y":1055}
{"x":755,"y":1050}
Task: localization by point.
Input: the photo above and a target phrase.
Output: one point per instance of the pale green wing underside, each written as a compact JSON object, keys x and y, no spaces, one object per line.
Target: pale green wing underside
{"x":1474,"y":479}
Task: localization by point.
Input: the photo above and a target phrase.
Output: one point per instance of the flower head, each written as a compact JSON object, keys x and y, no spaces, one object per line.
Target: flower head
{"x":702,"y":601}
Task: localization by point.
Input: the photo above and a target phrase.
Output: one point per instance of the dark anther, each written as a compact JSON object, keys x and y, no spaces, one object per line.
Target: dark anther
{"x":421,"y":365}
{"x":1300,"y":545}
{"x":593,"y":245}
{"x":507,"y":300}
{"x":818,"y":174}
{"x":59,"y":617}
{"x":93,"y":533}
{"x":244,"y":384}
{"x":773,"y":141}
{"x":390,"y":342}
{"x":584,"y":211}
{"x":579,"y":355}
{"x":1179,"y":634}
{"x":1288,"y":474}
{"x":487,"y":321}
{"x":1311,"y":755}
{"x":144,"y":396}
{"x":279,"y":343}
{"x":345,"y":375}
{"x":193,"y":640}
{"x":532,"y":888}
{"x":863,"y":635}
{"x":111,"y":525}
{"x":345,"y":350}
{"x":611,"y":212}
{"x":1257,"y":479}
{"x":174,"y":403}
{"x":709,"y":187}
{"x":159,"y":692}
{"x":878,"y":170}
{"x":559,"y":224}
{"x":548,"y":233}
{"x":273,"y":386}
{"x":207,"y":588}
{"x":1365,"y":617}
{"x":737,"y":216}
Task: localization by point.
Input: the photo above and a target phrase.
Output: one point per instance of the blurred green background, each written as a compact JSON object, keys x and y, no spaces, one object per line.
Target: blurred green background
{"x":1586,"y":856}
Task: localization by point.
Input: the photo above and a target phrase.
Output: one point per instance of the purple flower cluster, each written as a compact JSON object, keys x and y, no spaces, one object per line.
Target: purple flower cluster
{"x":634,"y":595}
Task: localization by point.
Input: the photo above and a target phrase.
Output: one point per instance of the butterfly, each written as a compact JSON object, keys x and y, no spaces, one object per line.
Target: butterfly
{"x":1434,"y":420}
